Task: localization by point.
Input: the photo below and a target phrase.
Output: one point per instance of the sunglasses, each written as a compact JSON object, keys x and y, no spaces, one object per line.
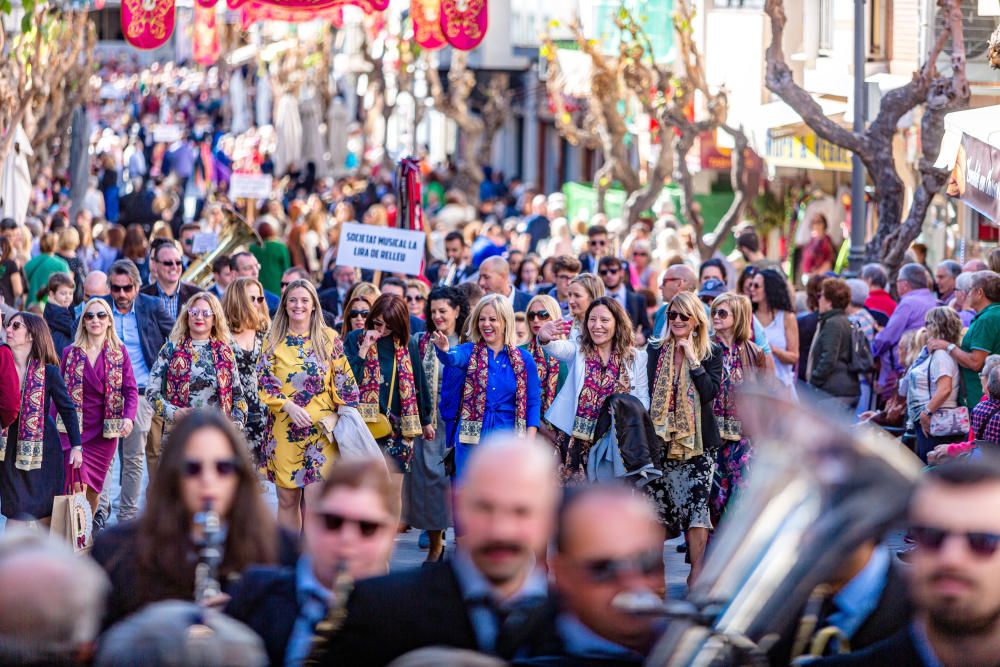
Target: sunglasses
{"x":721,"y":313}
{"x":608,"y":272}
{"x":285,"y":285}
{"x":223,"y":467}
{"x":639,"y":253}
{"x":335,"y":523}
{"x":673,"y":315}
{"x":358,"y":313}
{"x":539,"y":315}
{"x":607,"y":570}
{"x":414,"y":299}
{"x":598,"y":243}
{"x":171,"y":263}
{"x":981,"y":544}
{"x":188,"y":241}
{"x":198,"y":312}
{"x":100,"y":314}
{"x":123,"y":288}
{"x":14,"y":326}
{"x":258,"y":299}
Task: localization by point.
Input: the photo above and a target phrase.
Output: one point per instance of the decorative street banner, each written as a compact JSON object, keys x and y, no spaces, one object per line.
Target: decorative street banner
{"x":206,"y":35}
{"x":385,"y":249}
{"x":464,"y":22}
{"x":976,"y":177}
{"x":308,"y":7}
{"x":147,"y":24}
{"x":427,"y":23}
{"x":250,"y":186}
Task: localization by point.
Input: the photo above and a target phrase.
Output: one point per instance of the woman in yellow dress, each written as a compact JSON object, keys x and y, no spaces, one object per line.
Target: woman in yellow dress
{"x":303,"y":376}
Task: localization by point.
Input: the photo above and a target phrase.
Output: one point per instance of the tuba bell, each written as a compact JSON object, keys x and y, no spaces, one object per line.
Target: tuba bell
{"x":236,"y":233}
{"x":818,"y":488}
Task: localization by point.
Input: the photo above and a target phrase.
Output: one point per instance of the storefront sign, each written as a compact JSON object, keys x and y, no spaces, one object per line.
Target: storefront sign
{"x":250,"y":186}
{"x":385,"y":249}
{"x":976,"y":177}
{"x":805,"y":151}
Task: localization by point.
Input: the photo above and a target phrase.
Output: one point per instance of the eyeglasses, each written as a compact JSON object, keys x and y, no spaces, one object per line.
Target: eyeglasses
{"x":753,"y":286}
{"x":223,"y":467}
{"x":198,"y":312}
{"x":601,"y":243}
{"x":358,"y":313}
{"x":608,"y":272}
{"x":980,"y":543}
{"x":539,"y":315}
{"x":670,"y":280}
{"x":335,"y":523}
{"x":563,"y":277}
{"x":607,"y":570}
{"x":123,"y":288}
{"x":14,"y":326}
{"x":258,"y":299}
{"x":171,"y":263}
{"x":414,"y":299}
{"x":284,"y":285}
{"x":721,"y":313}
{"x":673,"y":315}
{"x":100,"y":314}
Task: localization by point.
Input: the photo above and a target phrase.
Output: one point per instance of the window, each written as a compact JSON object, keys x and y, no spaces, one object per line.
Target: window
{"x":877,"y":36}
{"x":826,"y":25}
{"x":108,"y":22}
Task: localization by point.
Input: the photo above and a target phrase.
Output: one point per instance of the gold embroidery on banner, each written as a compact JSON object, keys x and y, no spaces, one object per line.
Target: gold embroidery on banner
{"x":462,"y":21}
{"x":148,"y":15}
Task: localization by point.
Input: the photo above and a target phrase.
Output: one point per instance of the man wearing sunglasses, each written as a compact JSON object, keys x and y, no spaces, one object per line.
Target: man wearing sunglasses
{"x":608,"y":542}
{"x":166,"y":265}
{"x":598,"y":245}
{"x":612,"y":272}
{"x":955,"y":573}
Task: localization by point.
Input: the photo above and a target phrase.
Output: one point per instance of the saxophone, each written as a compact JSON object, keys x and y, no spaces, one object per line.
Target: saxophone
{"x":206,"y":571}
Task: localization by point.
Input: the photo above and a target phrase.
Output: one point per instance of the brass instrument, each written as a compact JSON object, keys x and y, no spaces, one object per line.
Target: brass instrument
{"x":236,"y":233}
{"x":818,"y":488}
{"x":206,"y":571}
{"x":325,"y":630}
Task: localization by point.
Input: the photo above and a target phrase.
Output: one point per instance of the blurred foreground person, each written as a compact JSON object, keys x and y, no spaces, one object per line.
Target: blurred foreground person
{"x":52,"y":601}
{"x":350,"y":531}
{"x":172,"y":633}
{"x":955,"y":573}
{"x":492,"y":596}
{"x":608,"y":542}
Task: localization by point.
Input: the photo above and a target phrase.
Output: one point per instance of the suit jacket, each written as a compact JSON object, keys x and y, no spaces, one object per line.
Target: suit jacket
{"x":329,"y":300}
{"x":635,"y":307}
{"x":154,"y":325}
{"x":898,"y":651}
{"x":521,"y":300}
{"x":392,"y":615}
{"x":186,"y":290}
{"x":266,"y":600}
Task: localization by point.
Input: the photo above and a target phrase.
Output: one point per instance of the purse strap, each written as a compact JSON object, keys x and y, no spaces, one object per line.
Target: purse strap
{"x":392,"y":383}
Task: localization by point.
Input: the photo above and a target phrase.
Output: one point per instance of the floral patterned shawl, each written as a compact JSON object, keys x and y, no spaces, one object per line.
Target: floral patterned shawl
{"x":599,"y":382}
{"x":474,"y":393}
{"x":31,"y":420}
{"x":179,"y":374}
{"x":675,"y":407}
{"x":114,"y":401}
{"x":372,"y":379}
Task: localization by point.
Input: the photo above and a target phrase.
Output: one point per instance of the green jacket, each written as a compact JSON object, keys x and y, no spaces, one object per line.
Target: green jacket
{"x":274,"y":261}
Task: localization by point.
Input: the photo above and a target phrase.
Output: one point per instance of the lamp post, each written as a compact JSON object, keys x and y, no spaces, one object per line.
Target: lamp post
{"x":856,"y":256}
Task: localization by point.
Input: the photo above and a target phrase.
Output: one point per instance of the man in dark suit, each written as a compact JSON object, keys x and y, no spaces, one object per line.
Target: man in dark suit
{"x":166,"y":265}
{"x":612,"y":273}
{"x":351,"y":527}
{"x":954,"y":573}
{"x":494,"y":278}
{"x":491,"y":596}
{"x":598,"y":246}
{"x":142,"y":325}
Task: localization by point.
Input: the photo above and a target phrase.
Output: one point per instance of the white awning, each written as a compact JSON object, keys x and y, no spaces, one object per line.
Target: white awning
{"x":981,"y":124}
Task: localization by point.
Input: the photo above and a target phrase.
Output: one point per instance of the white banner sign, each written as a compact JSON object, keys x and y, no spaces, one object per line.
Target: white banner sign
{"x":166,"y":134}
{"x":250,"y":186}
{"x":381,"y":248}
{"x":204,"y":242}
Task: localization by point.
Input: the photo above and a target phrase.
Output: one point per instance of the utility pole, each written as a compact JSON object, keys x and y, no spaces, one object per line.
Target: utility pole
{"x":855,"y":257}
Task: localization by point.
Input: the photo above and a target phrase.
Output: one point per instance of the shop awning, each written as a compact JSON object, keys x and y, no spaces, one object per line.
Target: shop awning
{"x":778,"y":134}
{"x":971,"y":149}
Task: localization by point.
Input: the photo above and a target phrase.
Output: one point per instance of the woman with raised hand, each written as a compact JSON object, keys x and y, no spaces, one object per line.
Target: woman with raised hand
{"x":602,"y":362}
{"x":742,"y":360}
{"x":391,"y":377}
{"x":196,"y":367}
{"x":501,"y":390}
{"x":98,"y":375}
{"x":303,"y":377}
{"x":684,"y":372}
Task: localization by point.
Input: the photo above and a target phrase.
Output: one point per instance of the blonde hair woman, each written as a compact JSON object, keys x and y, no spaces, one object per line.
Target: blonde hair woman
{"x":583,"y":289}
{"x":304,"y":374}
{"x":196,"y":367}
{"x":541,"y":310}
{"x":246,"y":312}
{"x":684,"y":373}
{"x":98,"y":375}
{"x":416,"y":297}
{"x":501,"y":391}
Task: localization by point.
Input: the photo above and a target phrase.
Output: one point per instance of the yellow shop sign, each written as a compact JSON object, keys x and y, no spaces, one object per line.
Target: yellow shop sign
{"x":805,"y":151}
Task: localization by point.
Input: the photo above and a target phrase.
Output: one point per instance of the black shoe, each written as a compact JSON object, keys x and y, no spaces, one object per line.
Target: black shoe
{"x":100,"y":521}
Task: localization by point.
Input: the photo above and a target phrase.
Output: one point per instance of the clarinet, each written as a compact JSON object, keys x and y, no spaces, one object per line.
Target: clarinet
{"x":206,"y":572}
{"x":335,"y":617}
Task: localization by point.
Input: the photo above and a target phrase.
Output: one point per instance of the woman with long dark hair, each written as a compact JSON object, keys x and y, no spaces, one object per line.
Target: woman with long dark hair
{"x":426,"y":489}
{"x":31,"y":458}
{"x":11,"y":280}
{"x":357,"y":304}
{"x":772,"y":304}
{"x":153,"y":558}
{"x":602,"y":362}
{"x":390,"y":377}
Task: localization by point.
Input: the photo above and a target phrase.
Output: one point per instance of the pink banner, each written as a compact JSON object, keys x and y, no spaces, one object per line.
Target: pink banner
{"x":311,"y":6}
{"x":427,"y":23}
{"x":206,"y":3}
{"x":147,"y":24}
{"x":206,"y":35}
{"x":463,"y":22}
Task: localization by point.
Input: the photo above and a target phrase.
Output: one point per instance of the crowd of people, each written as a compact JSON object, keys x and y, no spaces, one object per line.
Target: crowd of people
{"x":478,"y":397}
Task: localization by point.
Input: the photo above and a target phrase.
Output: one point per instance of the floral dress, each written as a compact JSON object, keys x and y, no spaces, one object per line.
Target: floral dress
{"x":296,"y":457}
{"x":256,"y":424}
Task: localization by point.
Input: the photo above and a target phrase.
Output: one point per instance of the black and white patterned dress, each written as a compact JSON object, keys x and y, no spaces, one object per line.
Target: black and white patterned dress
{"x":256,"y":424}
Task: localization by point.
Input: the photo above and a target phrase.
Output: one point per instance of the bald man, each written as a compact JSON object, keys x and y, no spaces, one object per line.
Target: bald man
{"x":494,"y":278}
{"x":491,"y":597}
{"x":676,"y":279}
{"x":94,"y":285}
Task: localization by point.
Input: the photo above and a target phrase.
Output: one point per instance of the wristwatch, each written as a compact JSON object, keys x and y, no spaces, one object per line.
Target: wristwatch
{"x":951,"y":346}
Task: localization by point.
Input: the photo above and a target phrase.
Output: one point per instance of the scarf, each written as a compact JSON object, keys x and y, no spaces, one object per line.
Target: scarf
{"x":724,"y":406}
{"x":599,"y":382}
{"x":432,"y":371}
{"x":675,"y":407}
{"x":114,"y":402}
{"x":179,"y":374}
{"x":371,"y":381}
{"x":548,"y":373}
{"x":474,"y":394}
{"x":31,"y":420}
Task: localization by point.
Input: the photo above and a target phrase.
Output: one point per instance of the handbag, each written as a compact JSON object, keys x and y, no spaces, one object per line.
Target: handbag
{"x":947,"y":421}
{"x":381,"y":427}
{"x":72,"y":518}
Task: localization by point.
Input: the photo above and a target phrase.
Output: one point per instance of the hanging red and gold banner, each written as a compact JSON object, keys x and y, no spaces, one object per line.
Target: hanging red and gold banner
{"x":427,"y":24}
{"x":464,"y":22}
{"x":206,"y":3}
{"x":206,"y":35}
{"x":309,"y":6}
{"x":147,"y":24}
